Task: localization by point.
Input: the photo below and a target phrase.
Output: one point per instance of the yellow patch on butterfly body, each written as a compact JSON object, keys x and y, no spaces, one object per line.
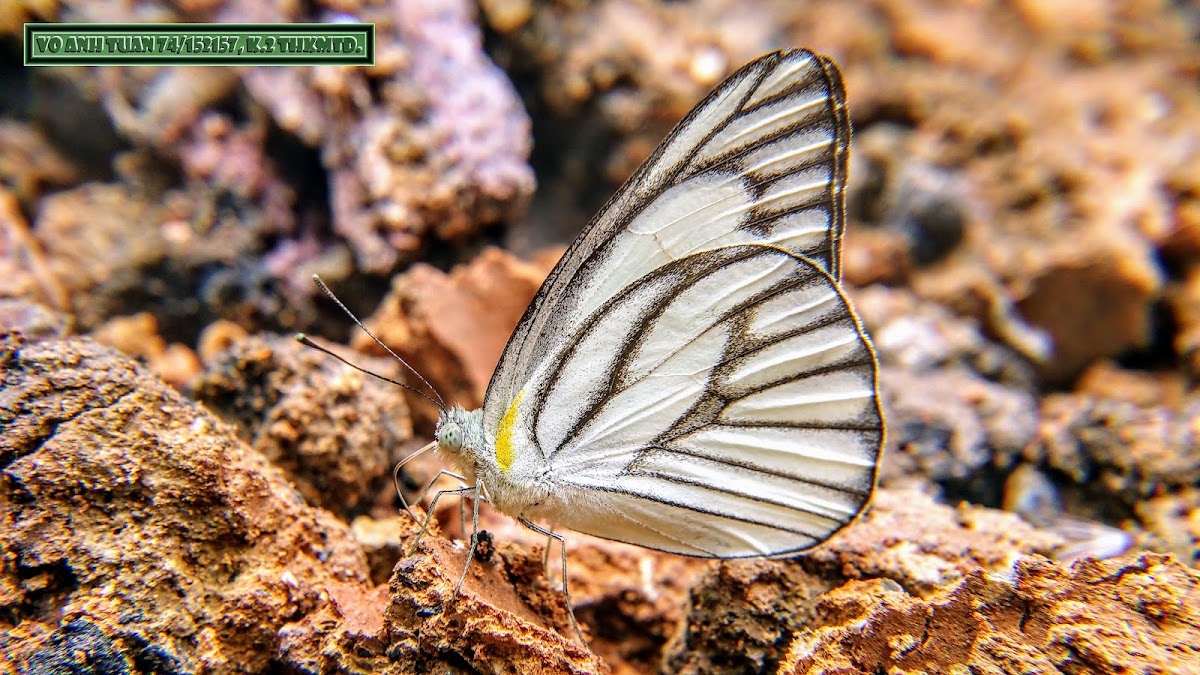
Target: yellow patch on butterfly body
{"x":505,"y":454}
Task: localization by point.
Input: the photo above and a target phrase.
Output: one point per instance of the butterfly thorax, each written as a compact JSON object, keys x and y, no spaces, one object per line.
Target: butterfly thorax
{"x":464,"y":443}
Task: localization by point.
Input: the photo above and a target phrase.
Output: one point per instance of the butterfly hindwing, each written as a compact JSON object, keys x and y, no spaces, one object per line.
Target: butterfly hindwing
{"x":755,"y":434}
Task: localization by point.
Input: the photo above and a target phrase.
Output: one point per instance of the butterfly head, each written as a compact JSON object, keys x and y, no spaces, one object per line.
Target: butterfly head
{"x":450,"y":437}
{"x":460,"y":437}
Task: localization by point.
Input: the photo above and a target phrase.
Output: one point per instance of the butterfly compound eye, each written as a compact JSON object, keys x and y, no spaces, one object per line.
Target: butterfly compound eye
{"x":450,"y":436}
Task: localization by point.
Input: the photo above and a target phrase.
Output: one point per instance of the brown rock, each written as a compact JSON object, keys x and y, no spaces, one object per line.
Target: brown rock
{"x":138,"y":533}
{"x":874,"y":256}
{"x":496,"y":624}
{"x":336,"y":432}
{"x":1118,"y":448}
{"x":1183,"y":298}
{"x":629,"y":600}
{"x":921,"y":544}
{"x":1107,"y":380}
{"x":383,"y":542}
{"x":915,"y":210}
{"x":1171,"y":522}
{"x":137,"y":336}
{"x":430,"y":141}
{"x":217,"y":337}
{"x":951,"y":425}
{"x":919,"y":587}
{"x":955,"y":400}
{"x":299,"y":596}
{"x":1065,"y":137}
{"x":1094,"y":300}
{"x":743,"y":612}
{"x":118,"y":251}
{"x":632,"y":600}
{"x":917,"y":335}
{"x":1134,"y":614}
{"x":135,"y":526}
{"x":344,"y":636}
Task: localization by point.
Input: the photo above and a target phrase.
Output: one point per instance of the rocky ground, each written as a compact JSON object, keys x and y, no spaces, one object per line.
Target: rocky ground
{"x":184,"y":488}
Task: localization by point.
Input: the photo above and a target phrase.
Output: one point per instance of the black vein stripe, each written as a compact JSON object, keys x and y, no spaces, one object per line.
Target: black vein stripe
{"x":732,"y":159}
{"x":696,"y":268}
{"x":866,"y":437}
{"x":537,"y":331}
{"x":682,"y":275}
{"x":848,"y":426}
{"x":860,"y":360}
{"x":623,"y":377}
{"x":786,"y":522}
{"x":863,"y":402}
{"x":774,"y":314}
{"x":676,"y":448}
{"x":869,"y":436}
{"x":810,"y":535}
{"x":748,"y":345}
{"x":723,"y":392}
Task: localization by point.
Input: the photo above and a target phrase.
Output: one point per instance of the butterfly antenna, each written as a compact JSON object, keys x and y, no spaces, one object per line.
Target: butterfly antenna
{"x":307,"y":342}
{"x":441,"y":404}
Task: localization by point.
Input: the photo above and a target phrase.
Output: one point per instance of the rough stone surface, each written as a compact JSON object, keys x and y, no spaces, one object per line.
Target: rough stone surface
{"x":962,"y":589}
{"x":118,"y":251}
{"x":327,"y":170}
{"x":335,"y":431}
{"x":136,"y":524}
{"x":110,"y":481}
{"x":430,"y":142}
{"x":1113,"y":616}
{"x":1023,"y":246}
{"x":1119,"y":447}
{"x":141,"y":534}
{"x":955,"y":400}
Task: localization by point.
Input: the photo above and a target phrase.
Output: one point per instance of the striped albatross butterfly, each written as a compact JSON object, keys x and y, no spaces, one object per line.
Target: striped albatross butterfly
{"x":690,"y":377}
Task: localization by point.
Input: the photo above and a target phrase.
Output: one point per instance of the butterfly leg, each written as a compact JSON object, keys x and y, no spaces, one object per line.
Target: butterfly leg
{"x":425,"y":491}
{"x":433,"y":505}
{"x":474,"y":538}
{"x":566,"y":593}
{"x":462,"y":516}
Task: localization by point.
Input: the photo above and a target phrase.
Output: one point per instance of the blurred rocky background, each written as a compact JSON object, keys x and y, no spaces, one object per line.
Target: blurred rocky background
{"x":185,"y":489}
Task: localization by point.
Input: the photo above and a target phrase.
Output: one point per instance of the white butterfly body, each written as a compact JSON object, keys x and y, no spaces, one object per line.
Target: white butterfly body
{"x":690,"y":377}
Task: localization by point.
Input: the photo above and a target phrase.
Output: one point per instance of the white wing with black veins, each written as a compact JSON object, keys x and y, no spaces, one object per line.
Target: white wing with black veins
{"x":691,"y":371}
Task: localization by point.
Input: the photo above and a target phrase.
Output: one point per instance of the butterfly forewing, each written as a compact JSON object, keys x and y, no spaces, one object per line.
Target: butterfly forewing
{"x":762,"y":158}
{"x":690,"y":377}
